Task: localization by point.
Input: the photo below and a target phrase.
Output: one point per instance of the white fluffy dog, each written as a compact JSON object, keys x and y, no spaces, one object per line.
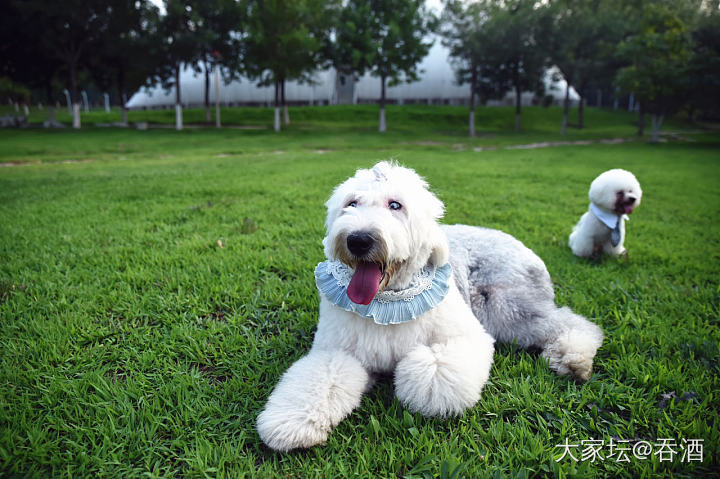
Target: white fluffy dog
{"x":613,"y":195}
{"x":390,"y":302}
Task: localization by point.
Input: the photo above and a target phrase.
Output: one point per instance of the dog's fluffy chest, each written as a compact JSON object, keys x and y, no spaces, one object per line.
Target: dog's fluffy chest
{"x":380,"y":347}
{"x":600,"y":231}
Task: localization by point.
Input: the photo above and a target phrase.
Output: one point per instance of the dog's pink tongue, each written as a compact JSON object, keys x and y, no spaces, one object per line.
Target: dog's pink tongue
{"x":628,"y":210}
{"x":365,"y":283}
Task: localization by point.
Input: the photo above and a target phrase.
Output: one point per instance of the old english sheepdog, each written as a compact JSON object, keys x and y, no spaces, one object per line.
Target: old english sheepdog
{"x":613,"y":196}
{"x":401,"y":295}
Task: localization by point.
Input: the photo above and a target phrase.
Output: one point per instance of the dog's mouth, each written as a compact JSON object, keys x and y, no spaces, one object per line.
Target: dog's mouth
{"x":624,"y":205}
{"x":624,"y":208}
{"x":366,"y":282}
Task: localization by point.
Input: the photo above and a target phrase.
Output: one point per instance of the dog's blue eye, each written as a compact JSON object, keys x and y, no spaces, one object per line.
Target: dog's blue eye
{"x":352,"y":204}
{"x":394,"y":205}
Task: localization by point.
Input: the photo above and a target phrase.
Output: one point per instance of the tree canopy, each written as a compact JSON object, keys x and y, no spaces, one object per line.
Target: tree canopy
{"x":387,"y":38}
{"x":286,"y":40}
{"x":658,"y":55}
{"x":662,"y":52}
{"x":515,"y":39}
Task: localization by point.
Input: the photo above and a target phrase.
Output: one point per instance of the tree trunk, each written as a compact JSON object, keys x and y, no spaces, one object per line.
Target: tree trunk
{"x":123,"y":98}
{"x":383,"y":127}
{"x":121,"y":92}
{"x":276,"y":123}
{"x":518,"y":106}
{"x":51,"y":106}
{"x":473,"y":87}
{"x":217,"y":96}
{"x":76,"y":116}
{"x":641,"y":120}
{"x":566,"y":107}
{"x":656,"y":121}
{"x":581,"y":113}
{"x":286,"y":113}
{"x":74,"y":95}
{"x":207,"y":93}
{"x":178,"y":100}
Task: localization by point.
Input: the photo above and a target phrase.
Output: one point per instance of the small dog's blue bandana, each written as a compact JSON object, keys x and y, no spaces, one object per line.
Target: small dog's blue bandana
{"x":426,"y":290}
{"x":610,"y":220}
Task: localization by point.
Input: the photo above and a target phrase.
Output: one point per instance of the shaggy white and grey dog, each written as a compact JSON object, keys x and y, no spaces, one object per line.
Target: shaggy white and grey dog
{"x":613,"y":195}
{"x":391,"y":303}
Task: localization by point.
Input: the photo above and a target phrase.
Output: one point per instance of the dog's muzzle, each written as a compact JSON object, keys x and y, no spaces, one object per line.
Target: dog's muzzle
{"x":366,"y":253}
{"x":623,"y":204}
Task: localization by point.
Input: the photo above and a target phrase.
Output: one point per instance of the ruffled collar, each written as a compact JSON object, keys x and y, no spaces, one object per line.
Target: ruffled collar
{"x":426,"y":290}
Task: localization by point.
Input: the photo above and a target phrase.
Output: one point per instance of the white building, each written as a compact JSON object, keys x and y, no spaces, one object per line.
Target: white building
{"x":437,"y":85}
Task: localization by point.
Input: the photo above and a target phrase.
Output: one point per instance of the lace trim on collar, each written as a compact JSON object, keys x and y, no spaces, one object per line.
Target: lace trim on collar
{"x":426,"y":290}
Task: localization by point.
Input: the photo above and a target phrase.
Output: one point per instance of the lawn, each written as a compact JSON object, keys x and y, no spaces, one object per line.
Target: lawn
{"x":154,"y":285}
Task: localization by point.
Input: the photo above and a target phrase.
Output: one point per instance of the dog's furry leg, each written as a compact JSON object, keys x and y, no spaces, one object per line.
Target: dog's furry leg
{"x":581,"y":244}
{"x":444,"y":379}
{"x":312,"y":397}
{"x":572,"y":350}
{"x":615,"y":251}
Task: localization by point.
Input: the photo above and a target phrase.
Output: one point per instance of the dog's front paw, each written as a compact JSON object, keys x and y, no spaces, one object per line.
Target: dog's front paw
{"x":312,"y":397}
{"x":443,"y":379}
{"x":284,"y":430}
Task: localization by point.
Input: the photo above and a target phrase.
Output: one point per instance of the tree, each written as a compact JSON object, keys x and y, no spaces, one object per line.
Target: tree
{"x":286,"y":40}
{"x":218,"y":30}
{"x":515,"y":33}
{"x":179,"y":47}
{"x":388,"y":38}
{"x":463,"y":34}
{"x":461,"y":31}
{"x":585,"y":33}
{"x":127,"y":56}
{"x":14,"y":91}
{"x":658,"y":56}
{"x":704,"y":66}
{"x":27,"y":59}
{"x":67,"y":29}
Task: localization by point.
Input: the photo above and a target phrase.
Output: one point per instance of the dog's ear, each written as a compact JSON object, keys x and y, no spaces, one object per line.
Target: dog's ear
{"x":440,"y":249}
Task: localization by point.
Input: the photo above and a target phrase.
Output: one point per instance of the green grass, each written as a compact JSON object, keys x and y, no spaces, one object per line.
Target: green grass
{"x":133,"y":345}
{"x":345,"y":126}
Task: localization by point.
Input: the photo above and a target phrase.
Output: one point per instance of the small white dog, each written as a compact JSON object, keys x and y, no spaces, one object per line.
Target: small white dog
{"x":613,"y":195}
{"x":390,"y":302}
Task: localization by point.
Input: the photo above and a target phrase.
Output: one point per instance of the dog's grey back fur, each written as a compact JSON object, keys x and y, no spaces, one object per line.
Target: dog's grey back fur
{"x":508,"y":287}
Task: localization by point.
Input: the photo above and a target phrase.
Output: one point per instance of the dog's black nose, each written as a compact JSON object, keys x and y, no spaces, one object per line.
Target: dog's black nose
{"x":360,"y":243}
{"x":631,"y":200}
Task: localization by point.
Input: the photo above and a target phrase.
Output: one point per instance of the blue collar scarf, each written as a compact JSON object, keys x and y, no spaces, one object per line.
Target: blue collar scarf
{"x":610,"y":220}
{"x":426,"y":290}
